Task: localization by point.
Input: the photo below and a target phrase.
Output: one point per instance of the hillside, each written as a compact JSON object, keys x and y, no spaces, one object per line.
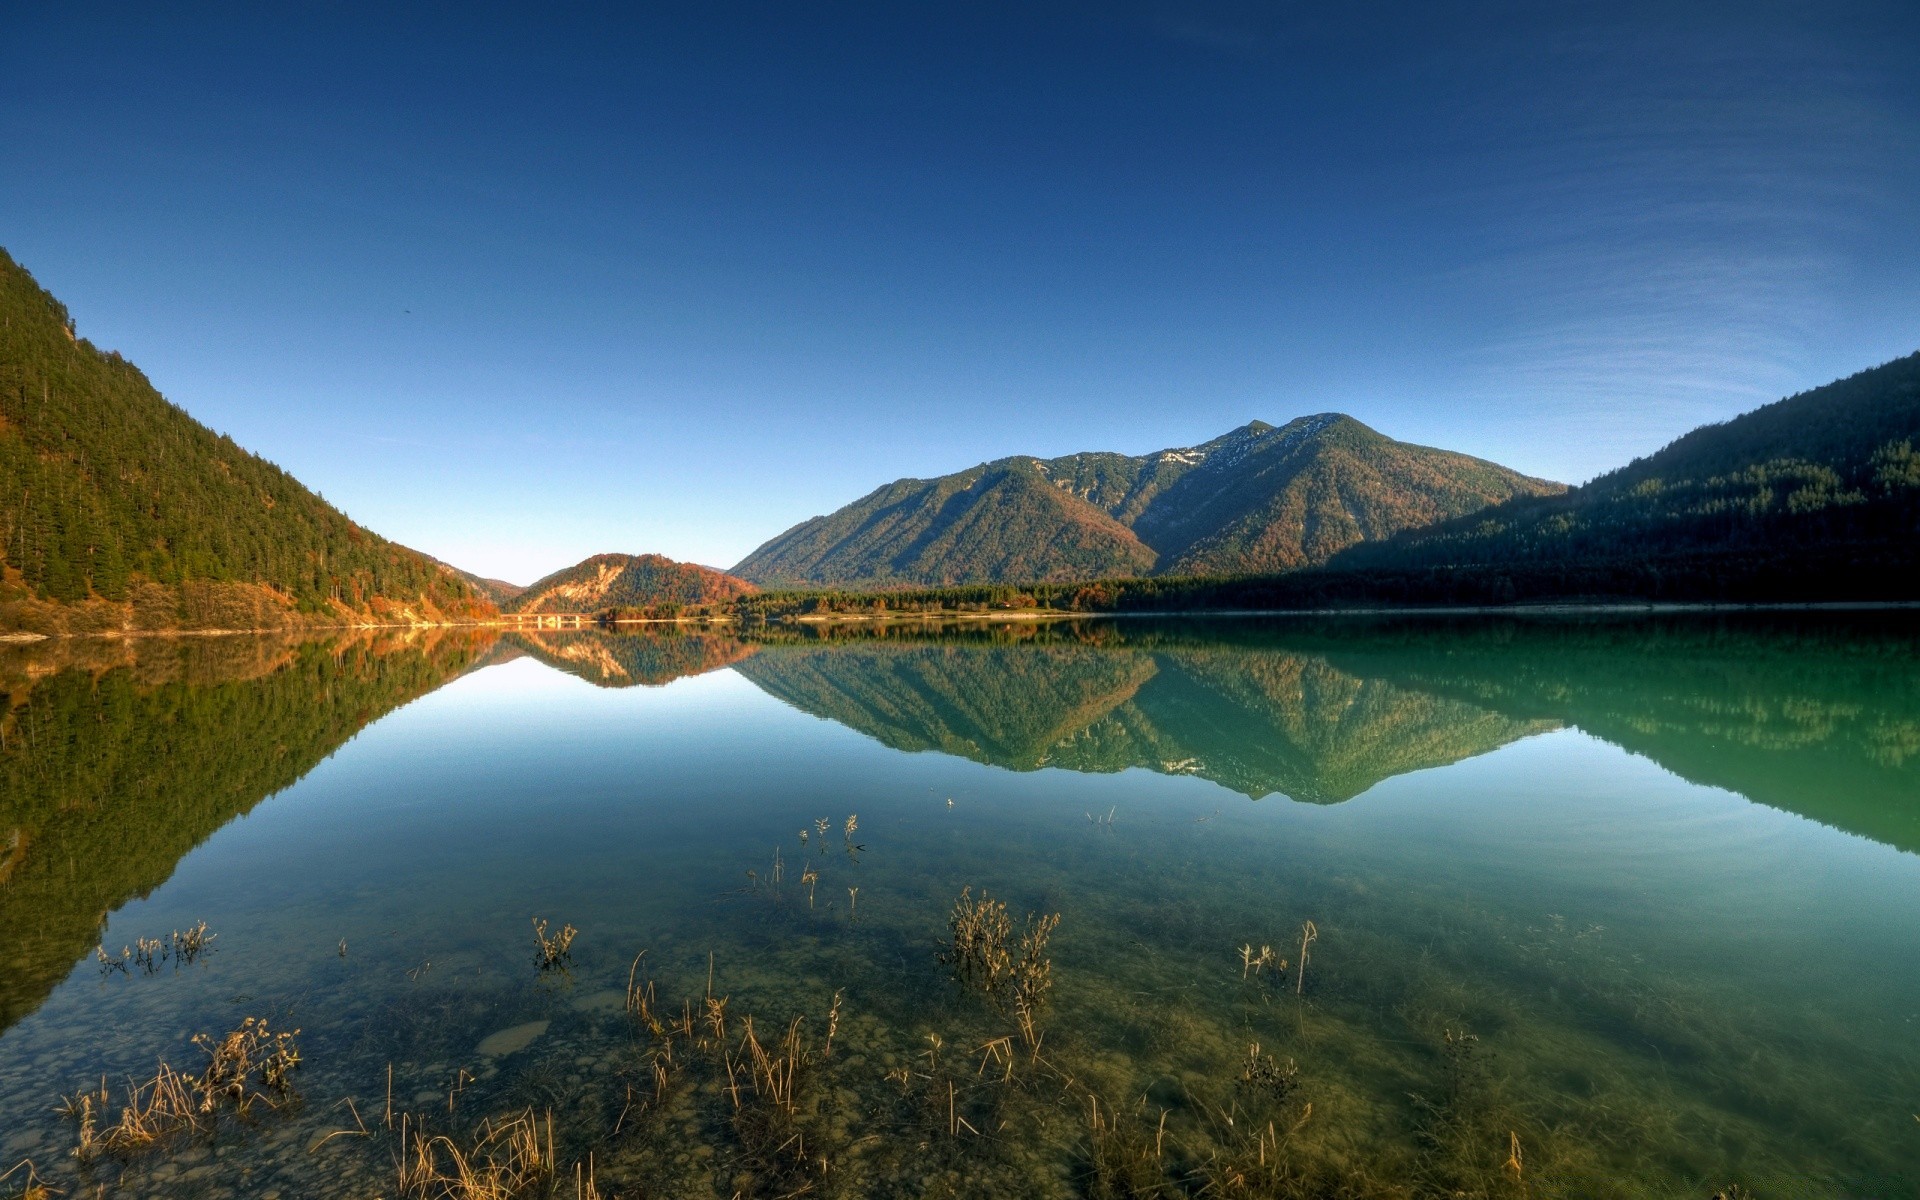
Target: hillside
{"x":119,"y":511}
{"x":498,"y":591}
{"x":1825,"y":480}
{"x":1259,"y":499}
{"x":630,"y":583}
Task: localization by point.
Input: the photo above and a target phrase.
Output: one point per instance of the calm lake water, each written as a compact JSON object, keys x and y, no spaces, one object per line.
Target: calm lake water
{"x":1603,"y":907}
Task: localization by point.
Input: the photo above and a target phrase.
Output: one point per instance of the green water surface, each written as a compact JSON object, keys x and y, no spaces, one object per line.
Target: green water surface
{"x":1620,"y":907}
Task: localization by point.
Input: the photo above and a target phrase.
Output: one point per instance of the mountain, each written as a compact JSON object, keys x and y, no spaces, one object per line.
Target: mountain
{"x":498,"y":592}
{"x":1822,"y":484}
{"x":627,"y":581}
{"x":1259,"y":499}
{"x":120,"y":511}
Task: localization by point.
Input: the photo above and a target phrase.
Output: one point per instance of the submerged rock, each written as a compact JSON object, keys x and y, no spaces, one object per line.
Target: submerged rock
{"x":509,"y":1041}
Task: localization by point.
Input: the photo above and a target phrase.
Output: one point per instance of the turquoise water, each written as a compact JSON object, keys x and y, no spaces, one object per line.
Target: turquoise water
{"x":1602,"y":909}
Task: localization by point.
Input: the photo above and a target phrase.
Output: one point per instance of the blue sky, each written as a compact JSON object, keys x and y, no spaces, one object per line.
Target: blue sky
{"x":516,"y":289}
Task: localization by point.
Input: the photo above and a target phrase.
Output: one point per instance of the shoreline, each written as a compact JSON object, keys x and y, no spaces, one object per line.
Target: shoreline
{"x":1010,"y":616}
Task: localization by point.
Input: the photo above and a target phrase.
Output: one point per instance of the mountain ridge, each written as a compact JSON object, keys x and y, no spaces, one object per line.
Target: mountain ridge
{"x":1832,"y":466}
{"x":1258,"y":498}
{"x":119,"y":512}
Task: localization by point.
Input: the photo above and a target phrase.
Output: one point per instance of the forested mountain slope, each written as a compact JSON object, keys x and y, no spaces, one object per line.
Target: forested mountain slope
{"x":1259,"y":499}
{"x":118,"y":510}
{"x":627,"y":583}
{"x":1833,"y":471}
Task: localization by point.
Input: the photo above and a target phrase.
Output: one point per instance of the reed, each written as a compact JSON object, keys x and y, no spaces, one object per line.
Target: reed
{"x":163,"y":1108}
{"x":1122,"y":1160}
{"x":31,"y":1187}
{"x":1309,"y":934}
{"x":505,"y":1159}
{"x":640,"y":997}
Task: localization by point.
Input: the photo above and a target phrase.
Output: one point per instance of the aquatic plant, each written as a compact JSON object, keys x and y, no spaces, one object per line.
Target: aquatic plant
{"x":251,"y":1065}
{"x":556,"y":951}
{"x":249,"y":1053}
{"x":148,"y":953}
{"x":1265,"y":1076}
{"x":1253,"y":963}
{"x":190,"y":944}
{"x":978,"y":949}
{"x":1309,"y":934}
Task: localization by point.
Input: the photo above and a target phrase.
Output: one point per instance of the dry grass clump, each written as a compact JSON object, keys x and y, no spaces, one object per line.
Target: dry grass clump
{"x":250,"y":1066}
{"x":1017,"y":977}
{"x":506,"y":1158}
{"x":768,"y":1089}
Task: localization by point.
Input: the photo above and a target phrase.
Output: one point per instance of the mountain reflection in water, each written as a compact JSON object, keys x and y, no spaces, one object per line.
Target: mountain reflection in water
{"x":118,"y":758}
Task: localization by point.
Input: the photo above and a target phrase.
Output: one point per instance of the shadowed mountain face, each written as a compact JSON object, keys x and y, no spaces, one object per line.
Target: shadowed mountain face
{"x":1818,"y":492}
{"x":1258,"y":499}
{"x":117,"y":758}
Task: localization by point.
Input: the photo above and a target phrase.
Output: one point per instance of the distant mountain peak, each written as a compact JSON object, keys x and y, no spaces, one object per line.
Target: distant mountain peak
{"x":1257,"y":498}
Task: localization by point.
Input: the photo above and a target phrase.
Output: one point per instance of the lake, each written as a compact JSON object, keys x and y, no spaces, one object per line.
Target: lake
{"x":1590,"y":907}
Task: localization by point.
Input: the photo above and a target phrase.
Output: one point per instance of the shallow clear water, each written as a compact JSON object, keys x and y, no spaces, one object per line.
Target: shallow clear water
{"x":1609,"y":908}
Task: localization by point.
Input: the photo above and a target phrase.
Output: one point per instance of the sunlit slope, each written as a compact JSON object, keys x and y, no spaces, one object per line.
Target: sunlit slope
{"x":118,"y":510}
{"x":626,"y":581}
{"x":1259,"y":499}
